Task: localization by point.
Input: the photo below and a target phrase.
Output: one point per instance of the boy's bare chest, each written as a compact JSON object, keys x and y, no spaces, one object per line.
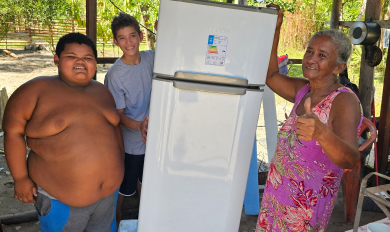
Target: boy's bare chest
{"x":59,"y":111}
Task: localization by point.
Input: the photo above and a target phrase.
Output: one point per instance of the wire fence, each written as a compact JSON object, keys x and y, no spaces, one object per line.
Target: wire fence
{"x":22,"y":33}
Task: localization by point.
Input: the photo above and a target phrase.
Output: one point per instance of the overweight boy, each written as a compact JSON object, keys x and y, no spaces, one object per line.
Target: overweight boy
{"x":129,"y":80}
{"x":75,"y":165}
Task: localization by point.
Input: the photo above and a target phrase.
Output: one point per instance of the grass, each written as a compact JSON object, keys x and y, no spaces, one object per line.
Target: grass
{"x":292,"y":53}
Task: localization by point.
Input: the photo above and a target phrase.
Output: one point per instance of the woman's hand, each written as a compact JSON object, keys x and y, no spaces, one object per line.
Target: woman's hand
{"x":279,"y":22}
{"x":25,"y":189}
{"x":309,"y":126}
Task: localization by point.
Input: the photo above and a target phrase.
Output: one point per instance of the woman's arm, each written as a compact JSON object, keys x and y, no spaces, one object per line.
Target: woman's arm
{"x":282,"y":85}
{"x":339,"y":140}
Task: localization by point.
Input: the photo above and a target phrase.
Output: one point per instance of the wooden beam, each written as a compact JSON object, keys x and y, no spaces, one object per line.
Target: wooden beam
{"x":91,"y":14}
{"x":106,"y":60}
{"x":295,"y":61}
{"x":385,"y":24}
{"x":384,"y":122}
{"x":3,"y":103}
{"x":366,"y":81}
{"x":241,"y":2}
{"x":335,"y":15}
{"x":91,"y":19}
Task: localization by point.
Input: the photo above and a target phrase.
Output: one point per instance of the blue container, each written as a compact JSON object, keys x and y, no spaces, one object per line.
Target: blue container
{"x":128,"y":225}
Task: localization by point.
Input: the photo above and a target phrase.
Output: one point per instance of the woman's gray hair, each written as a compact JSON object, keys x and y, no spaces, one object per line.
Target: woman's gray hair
{"x":342,"y":41}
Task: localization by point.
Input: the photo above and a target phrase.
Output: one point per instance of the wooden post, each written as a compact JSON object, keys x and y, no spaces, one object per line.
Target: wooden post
{"x":73,"y":25}
{"x":366,"y":81}
{"x":91,"y":19}
{"x":384,"y":122}
{"x":241,"y":2}
{"x":335,"y":16}
{"x":29,"y":35}
{"x":3,"y":102}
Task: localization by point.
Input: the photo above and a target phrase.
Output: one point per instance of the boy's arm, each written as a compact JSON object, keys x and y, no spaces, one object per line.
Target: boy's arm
{"x":115,"y":87}
{"x":131,"y":123}
{"x":16,"y":115}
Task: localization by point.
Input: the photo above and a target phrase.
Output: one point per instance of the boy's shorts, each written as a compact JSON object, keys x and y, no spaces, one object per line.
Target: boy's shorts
{"x":134,"y":167}
{"x":56,"y":216}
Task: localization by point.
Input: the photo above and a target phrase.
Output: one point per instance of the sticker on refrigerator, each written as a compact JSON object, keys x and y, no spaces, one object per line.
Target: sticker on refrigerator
{"x":216,"y":50}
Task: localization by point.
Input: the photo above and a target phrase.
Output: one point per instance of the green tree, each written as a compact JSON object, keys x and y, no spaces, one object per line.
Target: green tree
{"x":29,"y":12}
{"x":78,"y":11}
{"x":48,"y":12}
{"x":7,"y":15}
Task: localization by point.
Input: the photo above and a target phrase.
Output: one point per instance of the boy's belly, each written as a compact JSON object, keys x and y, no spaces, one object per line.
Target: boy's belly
{"x":78,"y":166}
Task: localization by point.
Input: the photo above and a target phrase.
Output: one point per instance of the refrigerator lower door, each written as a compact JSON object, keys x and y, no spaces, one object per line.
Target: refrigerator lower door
{"x":198,"y":152}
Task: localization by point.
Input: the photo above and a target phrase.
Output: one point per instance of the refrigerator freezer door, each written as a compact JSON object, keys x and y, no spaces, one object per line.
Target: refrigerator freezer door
{"x":216,"y":38}
{"x":197,"y":159}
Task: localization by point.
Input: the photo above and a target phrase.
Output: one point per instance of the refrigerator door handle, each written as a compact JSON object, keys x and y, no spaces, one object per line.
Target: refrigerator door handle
{"x":210,"y":78}
{"x":193,"y":86}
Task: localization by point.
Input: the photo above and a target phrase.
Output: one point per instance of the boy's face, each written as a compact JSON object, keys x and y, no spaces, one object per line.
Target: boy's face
{"x":76,"y":64}
{"x":128,"y":39}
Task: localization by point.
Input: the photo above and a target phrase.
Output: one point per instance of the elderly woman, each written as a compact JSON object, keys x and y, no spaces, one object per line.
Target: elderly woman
{"x":318,"y":139}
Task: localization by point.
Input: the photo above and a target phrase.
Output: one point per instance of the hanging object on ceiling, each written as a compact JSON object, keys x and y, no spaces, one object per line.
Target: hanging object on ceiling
{"x":367,"y":34}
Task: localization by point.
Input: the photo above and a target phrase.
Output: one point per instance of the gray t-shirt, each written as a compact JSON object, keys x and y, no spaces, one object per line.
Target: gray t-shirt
{"x":130,"y":86}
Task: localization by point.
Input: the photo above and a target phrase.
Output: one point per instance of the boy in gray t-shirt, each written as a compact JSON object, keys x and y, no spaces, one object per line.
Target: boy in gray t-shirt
{"x":129,"y":80}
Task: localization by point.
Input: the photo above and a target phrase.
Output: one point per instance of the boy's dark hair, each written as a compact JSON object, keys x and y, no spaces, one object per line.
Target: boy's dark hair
{"x":75,"y":38}
{"x":124,"y":20}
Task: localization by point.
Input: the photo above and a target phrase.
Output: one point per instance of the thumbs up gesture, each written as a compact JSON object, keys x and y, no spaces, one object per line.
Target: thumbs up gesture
{"x":309,"y":126}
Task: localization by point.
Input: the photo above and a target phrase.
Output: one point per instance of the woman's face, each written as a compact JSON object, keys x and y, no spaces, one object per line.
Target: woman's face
{"x":320,"y":59}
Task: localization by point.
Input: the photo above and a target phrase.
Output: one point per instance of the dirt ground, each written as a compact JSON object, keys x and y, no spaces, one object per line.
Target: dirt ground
{"x":15,"y":72}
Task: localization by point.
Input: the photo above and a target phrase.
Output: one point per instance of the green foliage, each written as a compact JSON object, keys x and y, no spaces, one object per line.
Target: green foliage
{"x":356,"y":56}
{"x":350,"y":11}
{"x":78,"y":11}
{"x":295,"y":70}
{"x":7,"y":14}
{"x":29,"y":12}
{"x":289,"y":6}
{"x":145,"y":7}
{"x":106,"y":11}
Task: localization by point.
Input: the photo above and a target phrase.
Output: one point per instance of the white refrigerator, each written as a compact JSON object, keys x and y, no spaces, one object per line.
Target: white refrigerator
{"x":210,"y":66}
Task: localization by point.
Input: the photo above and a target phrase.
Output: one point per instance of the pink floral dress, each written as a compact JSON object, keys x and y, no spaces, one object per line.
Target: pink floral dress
{"x":302,"y":182}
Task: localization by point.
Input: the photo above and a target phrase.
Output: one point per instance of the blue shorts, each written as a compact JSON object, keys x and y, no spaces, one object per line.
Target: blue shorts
{"x":55,"y":216}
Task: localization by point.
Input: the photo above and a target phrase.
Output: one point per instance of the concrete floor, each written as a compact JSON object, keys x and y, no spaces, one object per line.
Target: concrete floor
{"x":336,"y":222}
{"x":248,"y":222}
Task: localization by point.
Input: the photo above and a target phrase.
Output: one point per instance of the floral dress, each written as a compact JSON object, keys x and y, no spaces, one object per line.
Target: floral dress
{"x":302,"y":182}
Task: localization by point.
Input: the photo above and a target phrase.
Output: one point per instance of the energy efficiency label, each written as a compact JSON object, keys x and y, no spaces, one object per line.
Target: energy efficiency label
{"x":216,"y":50}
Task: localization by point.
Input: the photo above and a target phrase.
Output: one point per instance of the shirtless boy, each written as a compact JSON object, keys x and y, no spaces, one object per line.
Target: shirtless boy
{"x":75,"y":166}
